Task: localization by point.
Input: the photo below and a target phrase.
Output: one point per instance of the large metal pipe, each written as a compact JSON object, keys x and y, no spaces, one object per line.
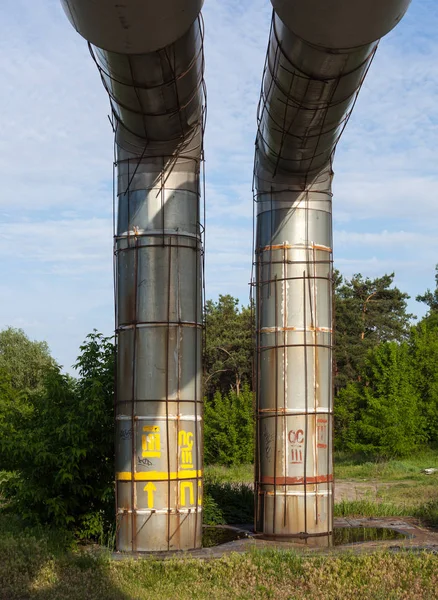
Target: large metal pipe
{"x":318,"y":55}
{"x":150,"y":58}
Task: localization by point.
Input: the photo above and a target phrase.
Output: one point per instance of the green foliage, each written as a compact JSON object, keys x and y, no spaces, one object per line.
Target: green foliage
{"x":430,"y":298}
{"x":228,"y":347}
{"x":428,"y":513}
{"x":389,"y":421}
{"x":424,"y":357}
{"x":15,"y":412}
{"x":347,"y":409}
{"x":211,"y":512}
{"x":229,"y":428}
{"x":26,"y":361}
{"x":227,"y":503}
{"x":368,"y":312}
{"x":59,"y":444}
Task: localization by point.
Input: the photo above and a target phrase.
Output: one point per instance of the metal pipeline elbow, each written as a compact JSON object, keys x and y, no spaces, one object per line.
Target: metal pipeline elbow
{"x":340,"y":23}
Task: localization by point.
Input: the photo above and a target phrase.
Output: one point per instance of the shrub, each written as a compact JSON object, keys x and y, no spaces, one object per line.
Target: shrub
{"x":391,"y":423}
{"x":229,"y":428}
{"x":60,"y":445}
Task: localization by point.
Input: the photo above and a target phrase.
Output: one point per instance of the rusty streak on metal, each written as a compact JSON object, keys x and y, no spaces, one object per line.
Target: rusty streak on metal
{"x":307,"y":95}
{"x":293,"y":247}
{"x":298,"y":329}
{"x":297,"y":480}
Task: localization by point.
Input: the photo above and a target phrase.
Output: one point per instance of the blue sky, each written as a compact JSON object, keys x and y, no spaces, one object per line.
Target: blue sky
{"x":56,"y":156}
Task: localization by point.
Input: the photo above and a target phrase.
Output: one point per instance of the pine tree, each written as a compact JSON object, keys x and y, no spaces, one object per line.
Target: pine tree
{"x":390,"y":422}
{"x":367,"y":312}
{"x":229,"y":346}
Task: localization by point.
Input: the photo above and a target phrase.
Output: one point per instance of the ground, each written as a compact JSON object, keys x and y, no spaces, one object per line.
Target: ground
{"x":350,"y":490}
{"x":35,"y":564}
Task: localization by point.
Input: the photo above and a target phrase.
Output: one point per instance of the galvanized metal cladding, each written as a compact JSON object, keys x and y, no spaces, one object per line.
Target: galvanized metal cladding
{"x":150,"y":58}
{"x":294,"y":472}
{"x":151,"y":62}
{"x":313,"y":72}
{"x":159,"y":346}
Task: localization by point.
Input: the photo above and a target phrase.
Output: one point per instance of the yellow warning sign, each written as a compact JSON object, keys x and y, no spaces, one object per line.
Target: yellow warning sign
{"x":150,"y":488}
{"x":157,"y":475}
{"x":185,"y":445}
{"x":150,"y":442}
{"x":187,"y":485}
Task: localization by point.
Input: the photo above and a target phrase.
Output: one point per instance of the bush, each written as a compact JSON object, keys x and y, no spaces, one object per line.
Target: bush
{"x":59,"y":444}
{"x":228,"y":503}
{"x":229,"y":428}
{"x":424,"y":355}
{"x":347,"y":408}
{"x":391,"y":423}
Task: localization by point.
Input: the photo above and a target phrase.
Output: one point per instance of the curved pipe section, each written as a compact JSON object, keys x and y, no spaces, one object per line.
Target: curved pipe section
{"x":150,"y":58}
{"x":318,"y":55}
{"x":134,"y":26}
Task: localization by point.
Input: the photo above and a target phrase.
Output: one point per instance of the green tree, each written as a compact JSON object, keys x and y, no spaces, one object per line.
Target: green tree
{"x":348,"y":405}
{"x":15,"y":412}
{"x":430,"y":298}
{"x":389,"y":420}
{"x":60,"y":445}
{"x":229,"y":346}
{"x":424,"y":356}
{"x":26,"y":361}
{"x":229,"y":428}
{"x":367,"y":312}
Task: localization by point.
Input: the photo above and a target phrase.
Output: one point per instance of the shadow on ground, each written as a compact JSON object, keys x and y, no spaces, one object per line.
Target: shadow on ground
{"x":228,"y":503}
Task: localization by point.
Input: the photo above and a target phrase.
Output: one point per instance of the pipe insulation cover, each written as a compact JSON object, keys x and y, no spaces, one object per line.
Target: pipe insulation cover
{"x":150,"y":58}
{"x":340,"y":23}
{"x":134,"y":26}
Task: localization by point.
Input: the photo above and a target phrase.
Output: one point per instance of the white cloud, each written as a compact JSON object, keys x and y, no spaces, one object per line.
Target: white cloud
{"x":56,"y":157}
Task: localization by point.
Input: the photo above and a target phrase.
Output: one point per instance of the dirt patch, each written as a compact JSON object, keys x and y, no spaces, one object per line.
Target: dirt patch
{"x":350,"y":490}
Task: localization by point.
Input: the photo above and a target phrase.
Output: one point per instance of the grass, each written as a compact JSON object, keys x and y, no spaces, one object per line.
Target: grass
{"x":358,"y":467}
{"x":233,"y":474}
{"x":384,"y":488}
{"x":427,"y":512}
{"x":42,"y":565}
{"x":347,"y":466}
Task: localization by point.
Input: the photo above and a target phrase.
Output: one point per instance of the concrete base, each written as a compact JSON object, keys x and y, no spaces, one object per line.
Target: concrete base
{"x":418,"y":538}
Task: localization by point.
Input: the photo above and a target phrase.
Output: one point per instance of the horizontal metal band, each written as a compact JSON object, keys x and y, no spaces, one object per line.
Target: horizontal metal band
{"x":118,"y":402}
{"x":324,"y":493}
{"x":157,"y":475}
{"x":298,"y":329}
{"x":160,"y":243}
{"x":296,"y":480}
{"x":316,"y":278}
{"x":263,"y":265}
{"x":160,"y":417}
{"x":295,"y":411}
{"x":160,"y":511}
{"x":154,"y":232}
{"x":303,"y":345}
{"x":144,"y":324}
{"x":286,"y":246}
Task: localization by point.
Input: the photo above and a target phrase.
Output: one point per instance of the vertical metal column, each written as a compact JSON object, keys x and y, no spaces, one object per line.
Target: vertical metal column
{"x":294,"y":479}
{"x":159,"y":336}
{"x":151,"y":62}
{"x":318,"y":56}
